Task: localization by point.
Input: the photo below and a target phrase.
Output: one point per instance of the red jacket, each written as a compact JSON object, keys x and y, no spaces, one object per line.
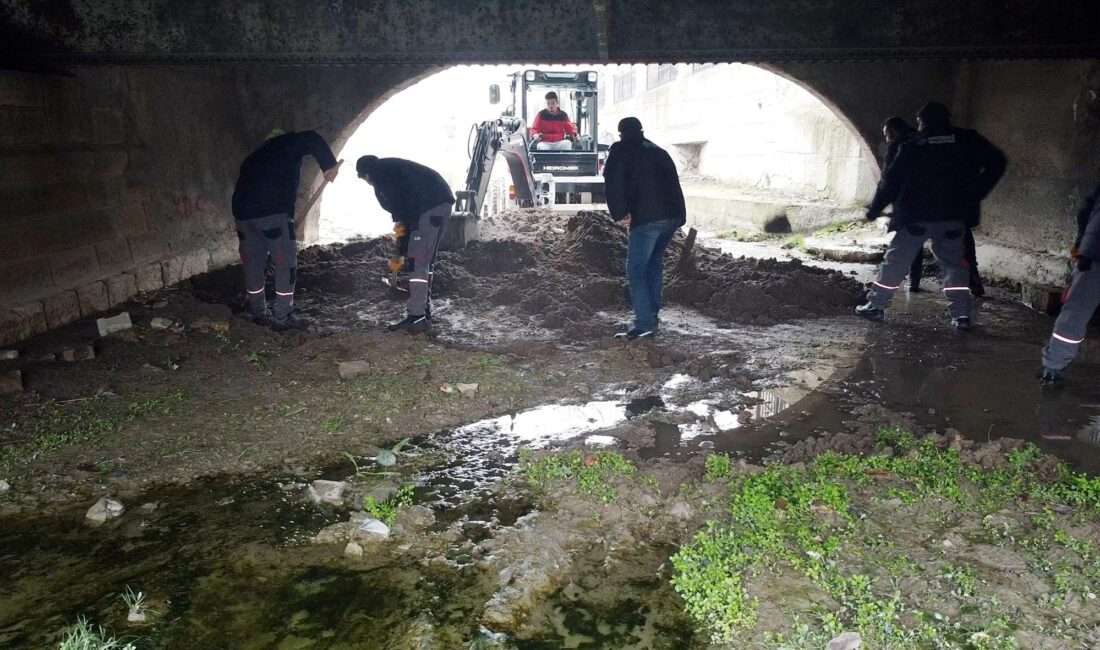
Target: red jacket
{"x":553,"y":127}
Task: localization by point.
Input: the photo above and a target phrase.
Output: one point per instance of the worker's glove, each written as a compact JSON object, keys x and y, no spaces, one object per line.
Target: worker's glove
{"x":396,"y":264}
{"x":399,"y":230}
{"x":1073,"y":252}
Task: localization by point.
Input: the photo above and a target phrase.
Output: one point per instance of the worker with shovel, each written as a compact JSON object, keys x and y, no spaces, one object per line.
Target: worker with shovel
{"x":263,"y":206}
{"x":420,"y":202}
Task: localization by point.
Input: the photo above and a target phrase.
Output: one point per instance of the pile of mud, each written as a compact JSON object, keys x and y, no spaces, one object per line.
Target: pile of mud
{"x":556,"y":272}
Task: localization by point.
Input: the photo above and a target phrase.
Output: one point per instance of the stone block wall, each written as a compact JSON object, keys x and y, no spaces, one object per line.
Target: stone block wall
{"x":96,"y":201}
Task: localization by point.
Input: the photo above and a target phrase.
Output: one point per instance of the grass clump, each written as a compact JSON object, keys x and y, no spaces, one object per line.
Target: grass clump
{"x":593,"y":473}
{"x":811,"y":523}
{"x":386,"y":511}
{"x":59,"y":424}
{"x":84,"y":636}
{"x":837,"y":228}
{"x":795,"y":241}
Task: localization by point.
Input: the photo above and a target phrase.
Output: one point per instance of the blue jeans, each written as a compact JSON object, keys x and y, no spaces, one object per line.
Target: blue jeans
{"x":644,"y":252}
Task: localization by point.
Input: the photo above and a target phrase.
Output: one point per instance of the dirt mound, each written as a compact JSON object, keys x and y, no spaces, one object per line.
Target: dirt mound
{"x":551,"y":271}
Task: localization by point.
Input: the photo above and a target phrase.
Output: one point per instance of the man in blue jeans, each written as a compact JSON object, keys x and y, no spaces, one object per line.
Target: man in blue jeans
{"x":643,"y":194}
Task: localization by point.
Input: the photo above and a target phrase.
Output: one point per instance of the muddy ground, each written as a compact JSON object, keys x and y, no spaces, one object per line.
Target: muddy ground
{"x":210,"y":431}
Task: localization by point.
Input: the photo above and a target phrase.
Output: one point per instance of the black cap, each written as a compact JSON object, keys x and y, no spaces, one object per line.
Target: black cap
{"x":364,"y":165}
{"x":630,"y":126}
{"x":935,"y":113}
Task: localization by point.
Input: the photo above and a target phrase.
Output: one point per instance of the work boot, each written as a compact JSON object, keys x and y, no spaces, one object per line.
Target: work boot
{"x":870,"y":313}
{"x":914,"y":287}
{"x":634,"y":334}
{"x":961,"y":323}
{"x":262,"y":319}
{"x":291,"y":322}
{"x":1051,"y":378}
{"x":411,"y":324}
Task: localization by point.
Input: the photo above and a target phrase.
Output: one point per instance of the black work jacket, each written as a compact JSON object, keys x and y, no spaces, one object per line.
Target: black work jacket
{"x":407,"y":189}
{"x":268,"y":180}
{"x":942,"y":175}
{"x":640,"y":179}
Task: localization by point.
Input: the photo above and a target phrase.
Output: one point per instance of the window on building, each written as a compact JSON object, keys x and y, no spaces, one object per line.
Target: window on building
{"x":659,"y":75}
{"x":624,"y":85}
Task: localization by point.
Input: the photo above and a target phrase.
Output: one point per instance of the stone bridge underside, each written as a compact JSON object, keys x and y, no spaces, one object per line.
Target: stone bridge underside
{"x":122,"y":122}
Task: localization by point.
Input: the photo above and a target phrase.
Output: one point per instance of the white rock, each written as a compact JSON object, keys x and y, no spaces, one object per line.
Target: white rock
{"x":353,"y":550}
{"x":136,"y":615}
{"x":680,"y":510}
{"x":373,"y":529}
{"x":7,"y":355}
{"x":846,"y":641}
{"x":114,"y":323}
{"x":330,"y":492}
{"x":466,"y":389}
{"x":4,"y":486}
{"x":103,"y":510}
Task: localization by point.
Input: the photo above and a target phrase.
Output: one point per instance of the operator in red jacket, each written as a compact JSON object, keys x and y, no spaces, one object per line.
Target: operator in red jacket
{"x":552,"y":127}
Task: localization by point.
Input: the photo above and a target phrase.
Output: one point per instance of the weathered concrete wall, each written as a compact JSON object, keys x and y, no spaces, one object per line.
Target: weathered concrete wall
{"x":109,"y":186}
{"x":753,"y":129}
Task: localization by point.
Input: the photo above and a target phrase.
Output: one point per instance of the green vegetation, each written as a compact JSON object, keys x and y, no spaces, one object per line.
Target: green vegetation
{"x":593,"y":473}
{"x":56,"y":425}
{"x":134,"y":601}
{"x":836,"y":228}
{"x":258,"y":359}
{"x":386,"y":511}
{"x":795,"y":241}
{"x":332,"y":426}
{"x":83,"y":636}
{"x":826,"y":526}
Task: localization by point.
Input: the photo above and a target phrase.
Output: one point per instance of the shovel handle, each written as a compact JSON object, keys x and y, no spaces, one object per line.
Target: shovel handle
{"x":317,"y":194}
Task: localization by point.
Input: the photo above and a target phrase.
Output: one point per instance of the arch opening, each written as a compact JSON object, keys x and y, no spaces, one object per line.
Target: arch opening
{"x":751,"y":143}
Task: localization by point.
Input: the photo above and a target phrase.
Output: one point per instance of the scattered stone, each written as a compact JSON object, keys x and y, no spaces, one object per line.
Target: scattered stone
{"x":446,"y":388}
{"x":103,"y":510}
{"x":114,"y":324}
{"x":353,"y":550}
{"x":846,"y":641}
{"x":349,"y":369}
{"x":148,"y":367}
{"x":680,"y":510}
{"x":11,"y":381}
{"x":136,"y":615}
{"x":79,"y":353}
{"x":4,"y":486}
{"x":846,"y":254}
{"x":372,"y":530}
{"x":466,"y":389}
{"x":330,"y":492}
{"x":149,"y":507}
{"x":206,"y":324}
{"x":162,"y":323}
{"x":8,"y":355}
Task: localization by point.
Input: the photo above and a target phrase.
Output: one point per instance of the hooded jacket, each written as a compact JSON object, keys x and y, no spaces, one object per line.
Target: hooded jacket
{"x":942,"y":175}
{"x":268,"y":180}
{"x":640,"y":179}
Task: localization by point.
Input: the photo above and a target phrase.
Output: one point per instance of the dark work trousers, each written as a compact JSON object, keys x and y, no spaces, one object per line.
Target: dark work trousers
{"x":423,"y":245}
{"x":271,"y":235}
{"x":948,"y":248}
{"x":1069,"y":329}
{"x":916,"y":272}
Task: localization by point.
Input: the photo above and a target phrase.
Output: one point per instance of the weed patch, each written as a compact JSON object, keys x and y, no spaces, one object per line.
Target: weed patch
{"x":828,"y":524}
{"x":593,"y":473}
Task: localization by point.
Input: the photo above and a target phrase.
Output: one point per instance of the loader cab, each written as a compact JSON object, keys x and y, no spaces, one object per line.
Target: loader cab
{"x":577,"y":97}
